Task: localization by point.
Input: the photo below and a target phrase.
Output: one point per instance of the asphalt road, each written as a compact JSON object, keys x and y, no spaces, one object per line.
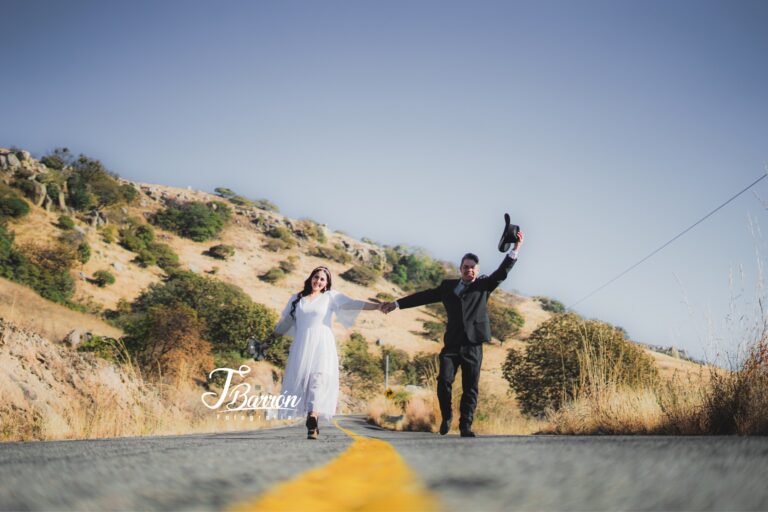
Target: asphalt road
{"x":205,"y":472}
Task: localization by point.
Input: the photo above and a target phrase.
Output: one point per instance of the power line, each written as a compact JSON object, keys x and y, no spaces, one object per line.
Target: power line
{"x":669,"y":242}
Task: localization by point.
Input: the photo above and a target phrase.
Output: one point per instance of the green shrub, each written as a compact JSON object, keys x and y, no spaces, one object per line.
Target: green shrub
{"x":312,"y":230}
{"x":363,"y":368}
{"x":167,"y":340}
{"x":140,"y":238}
{"x":242,"y":201}
{"x":90,"y":185}
{"x":229,"y":315}
{"x":103,"y":347}
{"x":221,"y":251}
{"x":52,"y":162}
{"x":83,"y":252}
{"x":25,"y":186}
{"x":108,"y":233}
{"x":505,"y":321}
{"x":277,"y":245}
{"x":145,"y":258}
{"x":288,"y":265}
{"x":385,"y":297}
{"x":58,"y":159}
{"x":550,"y":371}
{"x":398,"y":361}
{"x":273,"y":275}
{"x":264,"y":204}
{"x":224,"y":192}
{"x":551,"y":305}
{"x":412,"y":270}
{"x":361,"y":275}
{"x":66,"y":222}
{"x":281,"y":233}
{"x":422,"y":369}
{"x":195,"y":220}
{"x":336,"y":253}
{"x":103,"y":277}
{"x":165,"y":257}
{"x":44,"y":269}
{"x":434,"y":330}
{"x":11,"y":204}
{"x":230,"y":359}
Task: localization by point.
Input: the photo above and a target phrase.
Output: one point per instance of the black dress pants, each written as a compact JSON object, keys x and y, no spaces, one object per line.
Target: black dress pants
{"x":469,"y":358}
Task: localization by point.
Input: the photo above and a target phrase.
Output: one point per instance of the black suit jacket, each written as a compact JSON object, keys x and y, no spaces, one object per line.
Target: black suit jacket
{"x":468,"y":313}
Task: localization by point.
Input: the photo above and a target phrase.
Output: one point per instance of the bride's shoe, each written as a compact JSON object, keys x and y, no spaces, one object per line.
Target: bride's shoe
{"x":312,"y":427}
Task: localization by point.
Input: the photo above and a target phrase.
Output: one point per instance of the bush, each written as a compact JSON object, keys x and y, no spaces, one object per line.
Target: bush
{"x":412,"y":270}
{"x":550,"y":372}
{"x":264,"y":204}
{"x":398,"y":358}
{"x":91,"y":185}
{"x":364,"y":368}
{"x":102,"y":278}
{"x":164,"y":255}
{"x":434,"y":330}
{"x":45,"y":269}
{"x":281,"y":233}
{"x":385,"y":297}
{"x":66,"y":222}
{"x":140,"y":238}
{"x":228,"y":314}
{"x":108,"y":233}
{"x":288,"y":265}
{"x":103,"y":347}
{"x":422,"y":369}
{"x":11,"y":205}
{"x":336,"y":253}
{"x":277,"y":245}
{"x":312,"y":230}
{"x":145,"y":258}
{"x":83,"y":252}
{"x":225,"y":192}
{"x":551,"y":305}
{"x":242,"y":201}
{"x":58,"y":159}
{"x":195,"y":220}
{"x":273,"y":275}
{"x":505,"y":321}
{"x":361,"y":275}
{"x":167,"y":340}
{"x":221,"y":251}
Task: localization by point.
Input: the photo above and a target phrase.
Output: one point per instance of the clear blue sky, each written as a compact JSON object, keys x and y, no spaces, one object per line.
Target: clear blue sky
{"x":603,"y":128}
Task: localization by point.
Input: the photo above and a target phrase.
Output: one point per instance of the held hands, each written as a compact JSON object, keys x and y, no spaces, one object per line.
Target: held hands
{"x":387,"y":307}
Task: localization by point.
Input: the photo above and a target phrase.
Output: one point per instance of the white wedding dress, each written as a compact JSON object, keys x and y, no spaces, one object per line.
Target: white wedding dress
{"x":312,"y":371}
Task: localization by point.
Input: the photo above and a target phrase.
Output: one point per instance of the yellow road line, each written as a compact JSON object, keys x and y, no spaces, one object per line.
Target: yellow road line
{"x":369,"y":476}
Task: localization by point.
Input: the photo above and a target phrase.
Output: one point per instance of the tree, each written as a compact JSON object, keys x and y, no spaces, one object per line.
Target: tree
{"x":567,"y":354}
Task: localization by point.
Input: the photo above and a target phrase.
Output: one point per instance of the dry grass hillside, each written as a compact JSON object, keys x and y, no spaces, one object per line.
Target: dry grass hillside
{"x":24,"y":309}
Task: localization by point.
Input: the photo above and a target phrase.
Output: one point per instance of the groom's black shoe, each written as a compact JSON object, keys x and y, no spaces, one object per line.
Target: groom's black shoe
{"x":445,"y":426}
{"x":465,"y":429}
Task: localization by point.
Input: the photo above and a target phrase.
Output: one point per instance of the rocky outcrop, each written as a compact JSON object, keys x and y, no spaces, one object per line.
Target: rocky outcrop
{"x":13,"y":161}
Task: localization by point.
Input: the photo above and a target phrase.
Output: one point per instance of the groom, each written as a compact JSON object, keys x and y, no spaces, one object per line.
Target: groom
{"x":468,"y":328}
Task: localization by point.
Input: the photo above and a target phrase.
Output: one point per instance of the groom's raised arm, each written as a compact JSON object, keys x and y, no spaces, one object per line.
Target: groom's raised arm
{"x":493,"y":281}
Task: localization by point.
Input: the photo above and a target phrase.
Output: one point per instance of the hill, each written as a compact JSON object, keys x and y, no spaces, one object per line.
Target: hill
{"x":260,"y":240}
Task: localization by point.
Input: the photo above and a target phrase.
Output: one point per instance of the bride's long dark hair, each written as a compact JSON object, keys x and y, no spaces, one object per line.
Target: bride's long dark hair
{"x":308,"y":287}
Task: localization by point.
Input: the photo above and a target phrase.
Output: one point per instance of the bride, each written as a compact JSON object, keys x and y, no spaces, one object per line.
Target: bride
{"x":312,"y":371}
